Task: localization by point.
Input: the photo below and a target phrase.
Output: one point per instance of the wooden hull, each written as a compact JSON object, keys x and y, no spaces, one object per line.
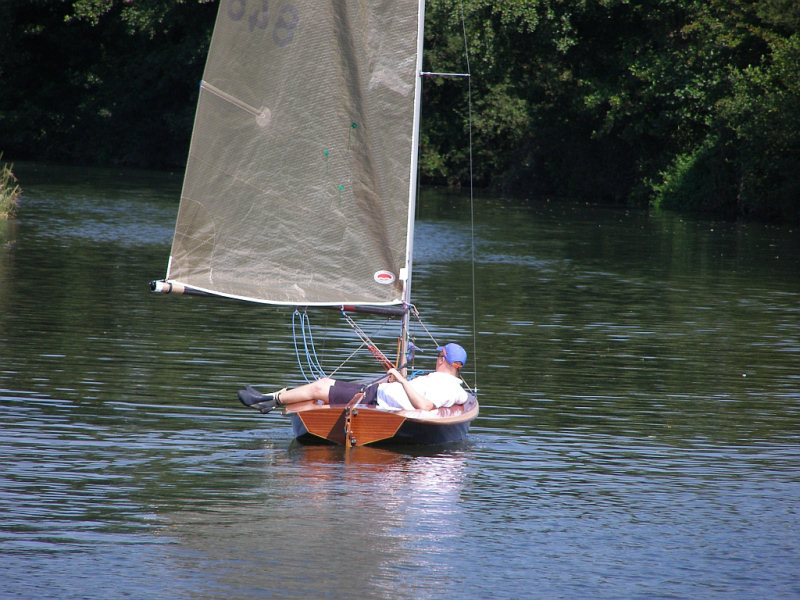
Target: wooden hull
{"x":360,"y":425}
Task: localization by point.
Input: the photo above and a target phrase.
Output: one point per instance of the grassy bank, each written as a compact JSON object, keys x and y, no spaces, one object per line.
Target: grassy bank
{"x":9,"y":190}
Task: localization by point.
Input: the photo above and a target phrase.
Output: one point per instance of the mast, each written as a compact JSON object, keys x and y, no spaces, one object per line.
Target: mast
{"x":412,"y":186}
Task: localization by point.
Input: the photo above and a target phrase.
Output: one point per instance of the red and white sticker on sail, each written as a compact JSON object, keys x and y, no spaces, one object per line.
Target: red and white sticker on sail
{"x":385,"y":277}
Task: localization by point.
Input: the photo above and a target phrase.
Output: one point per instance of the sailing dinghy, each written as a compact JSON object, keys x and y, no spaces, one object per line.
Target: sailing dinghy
{"x":300,"y":185}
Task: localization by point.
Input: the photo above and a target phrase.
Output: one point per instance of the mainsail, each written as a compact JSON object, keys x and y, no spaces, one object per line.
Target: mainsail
{"x":299,"y":186}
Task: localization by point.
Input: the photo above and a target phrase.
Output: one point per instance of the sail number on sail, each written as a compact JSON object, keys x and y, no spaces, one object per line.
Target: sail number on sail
{"x":258,"y":18}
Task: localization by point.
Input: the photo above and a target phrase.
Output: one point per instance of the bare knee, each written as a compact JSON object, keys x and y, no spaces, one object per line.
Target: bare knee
{"x":322,"y":387}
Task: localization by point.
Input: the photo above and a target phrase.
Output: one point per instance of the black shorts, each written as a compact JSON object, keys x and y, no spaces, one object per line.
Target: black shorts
{"x":343,"y":391}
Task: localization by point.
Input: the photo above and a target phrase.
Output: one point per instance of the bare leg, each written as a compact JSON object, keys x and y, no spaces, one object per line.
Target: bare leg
{"x":316,"y":390}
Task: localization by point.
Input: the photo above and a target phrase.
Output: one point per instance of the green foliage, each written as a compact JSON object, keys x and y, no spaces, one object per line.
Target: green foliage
{"x":676,"y":102}
{"x":747,"y":162}
{"x":101,"y":81}
{"x":9,"y":190}
{"x":702,"y":180}
{"x":149,"y":18}
{"x":692,"y":104}
{"x":764,"y":114}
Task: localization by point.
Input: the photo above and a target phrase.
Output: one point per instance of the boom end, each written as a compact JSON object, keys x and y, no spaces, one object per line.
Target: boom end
{"x":160,"y":286}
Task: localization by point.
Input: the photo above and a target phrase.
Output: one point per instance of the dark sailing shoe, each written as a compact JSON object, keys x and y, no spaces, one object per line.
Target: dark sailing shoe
{"x":254,"y":399}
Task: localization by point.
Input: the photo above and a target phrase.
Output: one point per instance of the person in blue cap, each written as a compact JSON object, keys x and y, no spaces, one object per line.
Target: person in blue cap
{"x":440,"y":388}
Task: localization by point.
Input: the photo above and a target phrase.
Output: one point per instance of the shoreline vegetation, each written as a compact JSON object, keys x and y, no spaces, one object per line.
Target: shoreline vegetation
{"x":9,"y":190}
{"x":687,"y":105}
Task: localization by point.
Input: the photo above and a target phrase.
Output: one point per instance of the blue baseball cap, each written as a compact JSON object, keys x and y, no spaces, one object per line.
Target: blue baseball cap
{"x":453,"y":353}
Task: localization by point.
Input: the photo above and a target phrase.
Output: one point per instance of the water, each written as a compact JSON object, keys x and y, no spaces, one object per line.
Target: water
{"x":639,"y":433}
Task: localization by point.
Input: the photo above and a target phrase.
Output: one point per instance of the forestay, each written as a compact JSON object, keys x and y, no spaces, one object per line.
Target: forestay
{"x":299,"y":186}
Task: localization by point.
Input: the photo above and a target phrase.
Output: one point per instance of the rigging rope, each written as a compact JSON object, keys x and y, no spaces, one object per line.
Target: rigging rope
{"x":307,"y":360}
{"x":471,"y":204}
{"x":387,"y":364}
{"x":309,"y":364}
{"x":309,"y":350}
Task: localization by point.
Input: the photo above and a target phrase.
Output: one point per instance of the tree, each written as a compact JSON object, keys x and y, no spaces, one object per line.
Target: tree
{"x":689,"y":104}
{"x":744,"y":162}
{"x":101,"y":81}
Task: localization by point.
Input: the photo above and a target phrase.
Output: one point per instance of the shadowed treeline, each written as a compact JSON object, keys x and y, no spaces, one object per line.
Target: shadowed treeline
{"x":693,"y":105}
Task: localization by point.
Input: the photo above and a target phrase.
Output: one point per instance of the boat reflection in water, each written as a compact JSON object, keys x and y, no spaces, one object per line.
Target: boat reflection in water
{"x":329,"y":518}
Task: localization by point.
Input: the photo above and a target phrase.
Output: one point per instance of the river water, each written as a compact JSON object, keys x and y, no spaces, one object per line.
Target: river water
{"x":639,"y":435}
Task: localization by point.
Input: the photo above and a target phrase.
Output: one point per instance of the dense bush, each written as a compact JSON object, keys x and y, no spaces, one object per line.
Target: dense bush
{"x":689,"y":104}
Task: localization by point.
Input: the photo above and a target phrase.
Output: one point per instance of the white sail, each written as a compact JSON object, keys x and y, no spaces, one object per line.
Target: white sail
{"x":300,"y":177}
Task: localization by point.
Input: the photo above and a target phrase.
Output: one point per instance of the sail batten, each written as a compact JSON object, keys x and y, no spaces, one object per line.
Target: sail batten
{"x":300,"y":177}
{"x":235,"y":101}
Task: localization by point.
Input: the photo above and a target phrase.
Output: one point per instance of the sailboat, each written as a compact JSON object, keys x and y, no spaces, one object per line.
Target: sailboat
{"x":300,"y":185}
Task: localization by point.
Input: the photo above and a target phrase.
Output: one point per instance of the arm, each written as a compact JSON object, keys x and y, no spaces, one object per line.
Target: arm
{"x":417,"y":399}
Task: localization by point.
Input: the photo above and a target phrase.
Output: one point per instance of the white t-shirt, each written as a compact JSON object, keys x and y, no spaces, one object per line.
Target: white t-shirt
{"x":442,"y":389}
